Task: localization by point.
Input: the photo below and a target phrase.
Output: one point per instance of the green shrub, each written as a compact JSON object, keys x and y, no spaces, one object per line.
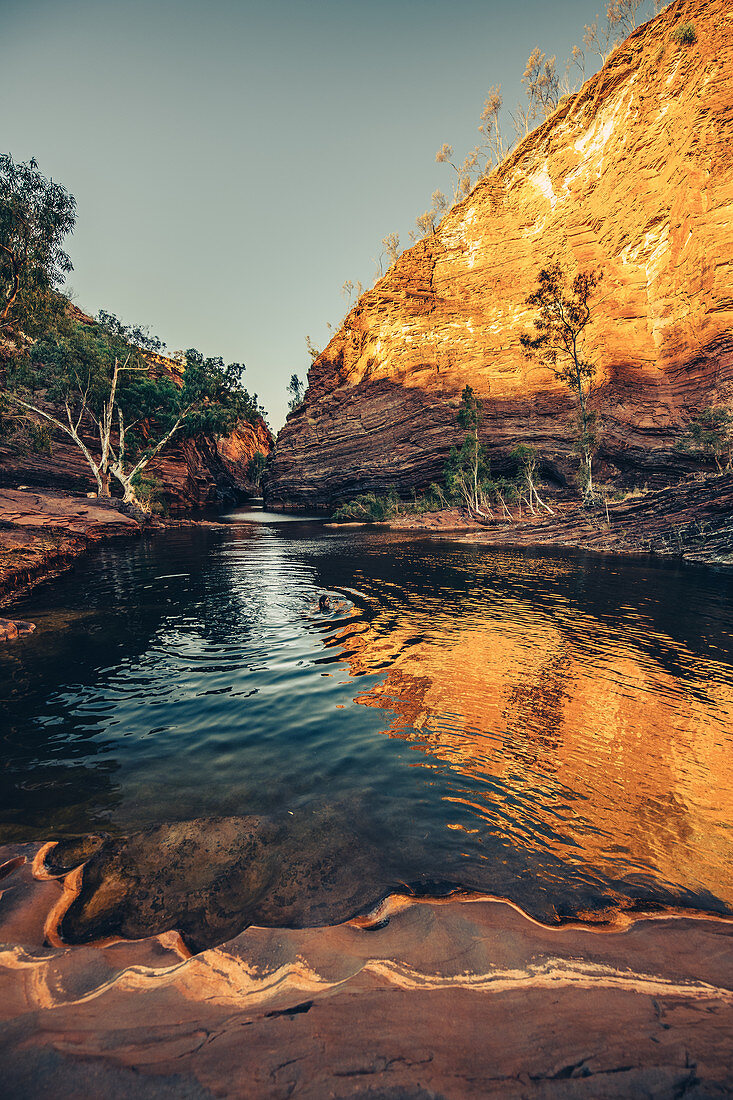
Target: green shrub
{"x":367,"y":508}
{"x":685,"y":34}
{"x":40,"y":438}
{"x":148,"y":492}
{"x":710,"y":435}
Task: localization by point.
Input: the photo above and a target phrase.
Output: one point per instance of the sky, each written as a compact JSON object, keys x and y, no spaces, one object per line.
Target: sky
{"x":234,"y":162}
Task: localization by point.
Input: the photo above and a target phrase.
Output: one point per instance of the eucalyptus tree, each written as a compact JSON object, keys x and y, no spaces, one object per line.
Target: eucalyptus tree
{"x":467,"y":468}
{"x":104,"y":385}
{"x":559,"y":341}
{"x":70,"y":379}
{"x":36,"y":215}
{"x":206,"y":399}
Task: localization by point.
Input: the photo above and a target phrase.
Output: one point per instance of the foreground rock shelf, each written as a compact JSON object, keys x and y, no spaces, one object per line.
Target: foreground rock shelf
{"x":41,"y":534}
{"x":461,"y":997}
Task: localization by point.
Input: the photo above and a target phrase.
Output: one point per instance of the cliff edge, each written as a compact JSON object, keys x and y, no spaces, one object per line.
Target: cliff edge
{"x":632,"y":175}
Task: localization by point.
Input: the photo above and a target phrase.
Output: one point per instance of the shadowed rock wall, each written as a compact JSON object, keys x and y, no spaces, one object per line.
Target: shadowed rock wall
{"x":192,"y":472}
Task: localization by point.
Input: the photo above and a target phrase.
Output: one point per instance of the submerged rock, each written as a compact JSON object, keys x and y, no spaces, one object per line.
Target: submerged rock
{"x":12,"y":628}
{"x":210,"y":878}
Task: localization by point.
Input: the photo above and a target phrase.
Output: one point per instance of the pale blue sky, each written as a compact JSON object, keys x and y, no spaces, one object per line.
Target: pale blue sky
{"x":235,"y":161}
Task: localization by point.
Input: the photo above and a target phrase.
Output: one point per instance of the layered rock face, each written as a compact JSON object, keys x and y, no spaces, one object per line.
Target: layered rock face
{"x":634,"y":176}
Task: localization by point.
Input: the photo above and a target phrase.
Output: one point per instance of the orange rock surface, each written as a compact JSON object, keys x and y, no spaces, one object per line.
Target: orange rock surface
{"x":632,"y":175}
{"x":465,"y":998}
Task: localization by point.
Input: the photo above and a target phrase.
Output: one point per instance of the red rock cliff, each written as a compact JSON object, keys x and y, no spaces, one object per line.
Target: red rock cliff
{"x":633,"y":175}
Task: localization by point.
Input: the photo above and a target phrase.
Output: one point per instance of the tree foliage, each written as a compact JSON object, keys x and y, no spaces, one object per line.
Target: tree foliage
{"x":467,"y":470}
{"x":559,"y":341}
{"x":256,"y":467}
{"x":100,"y":384}
{"x":710,"y":436}
{"x":296,"y":389}
{"x":36,"y":215}
{"x":541,"y":83}
{"x":313,"y":350}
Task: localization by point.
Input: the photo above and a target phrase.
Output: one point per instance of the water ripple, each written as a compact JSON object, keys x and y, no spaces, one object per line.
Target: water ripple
{"x":546,"y":726}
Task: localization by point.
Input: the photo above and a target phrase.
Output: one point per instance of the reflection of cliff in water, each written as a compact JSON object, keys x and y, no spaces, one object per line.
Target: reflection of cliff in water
{"x":577,"y":716}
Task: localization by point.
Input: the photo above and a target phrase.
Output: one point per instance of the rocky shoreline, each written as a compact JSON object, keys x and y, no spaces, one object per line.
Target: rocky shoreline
{"x":507,"y":1007}
{"x":42,"y":534}
{"x":692,"y":521}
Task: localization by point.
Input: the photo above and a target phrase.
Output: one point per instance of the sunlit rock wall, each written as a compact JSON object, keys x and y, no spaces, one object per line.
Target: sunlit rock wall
{"x":633,"y":175}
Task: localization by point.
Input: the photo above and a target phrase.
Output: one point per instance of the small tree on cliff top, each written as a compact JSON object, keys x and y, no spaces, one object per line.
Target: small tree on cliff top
{"x":559,"y":342}
{"x":296,"y":390}
{"x":36,"y":215}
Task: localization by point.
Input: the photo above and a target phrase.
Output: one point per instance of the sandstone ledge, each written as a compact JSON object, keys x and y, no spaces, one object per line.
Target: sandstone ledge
{"x":463,"y":997}
{"x":693,"y":520}
{"x":41,"y":535}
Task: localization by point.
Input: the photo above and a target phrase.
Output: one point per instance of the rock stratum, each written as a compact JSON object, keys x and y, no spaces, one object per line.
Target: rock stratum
{"x":632,"y":175}
{"x":422,"y":999}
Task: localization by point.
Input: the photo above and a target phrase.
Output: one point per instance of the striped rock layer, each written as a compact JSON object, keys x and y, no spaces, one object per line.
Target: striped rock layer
{"x":633,"y":175}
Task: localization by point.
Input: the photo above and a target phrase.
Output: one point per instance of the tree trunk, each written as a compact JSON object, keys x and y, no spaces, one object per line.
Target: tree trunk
{"x":129,"y":496}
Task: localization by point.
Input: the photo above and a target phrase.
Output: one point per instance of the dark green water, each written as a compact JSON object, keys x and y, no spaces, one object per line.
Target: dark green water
{"x":555,"y":728}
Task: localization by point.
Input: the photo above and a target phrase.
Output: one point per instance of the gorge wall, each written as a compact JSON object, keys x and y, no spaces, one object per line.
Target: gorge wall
{"x":192,"y":472}
{"x":632,"y":175}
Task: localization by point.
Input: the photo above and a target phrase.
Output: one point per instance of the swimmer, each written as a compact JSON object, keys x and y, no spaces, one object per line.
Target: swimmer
{"x":328,"y":603}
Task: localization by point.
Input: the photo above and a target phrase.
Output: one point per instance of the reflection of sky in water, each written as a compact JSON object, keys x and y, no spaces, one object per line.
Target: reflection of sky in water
{"x":555,"y":722}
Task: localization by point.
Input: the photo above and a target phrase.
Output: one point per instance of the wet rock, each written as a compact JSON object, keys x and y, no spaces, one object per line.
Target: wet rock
{"x":41,"y":535}
{"x":12,"y":628}
{"x":210,"y":878}
{"x":453,"y":998}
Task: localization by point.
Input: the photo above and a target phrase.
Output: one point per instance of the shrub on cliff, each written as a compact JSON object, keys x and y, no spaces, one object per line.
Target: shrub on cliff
{"x":367,"y":508}
{"x":684,"y":35}
{"x":710,"y":436}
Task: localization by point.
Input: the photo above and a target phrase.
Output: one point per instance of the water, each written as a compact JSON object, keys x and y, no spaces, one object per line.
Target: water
{"x":551,"y":727}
